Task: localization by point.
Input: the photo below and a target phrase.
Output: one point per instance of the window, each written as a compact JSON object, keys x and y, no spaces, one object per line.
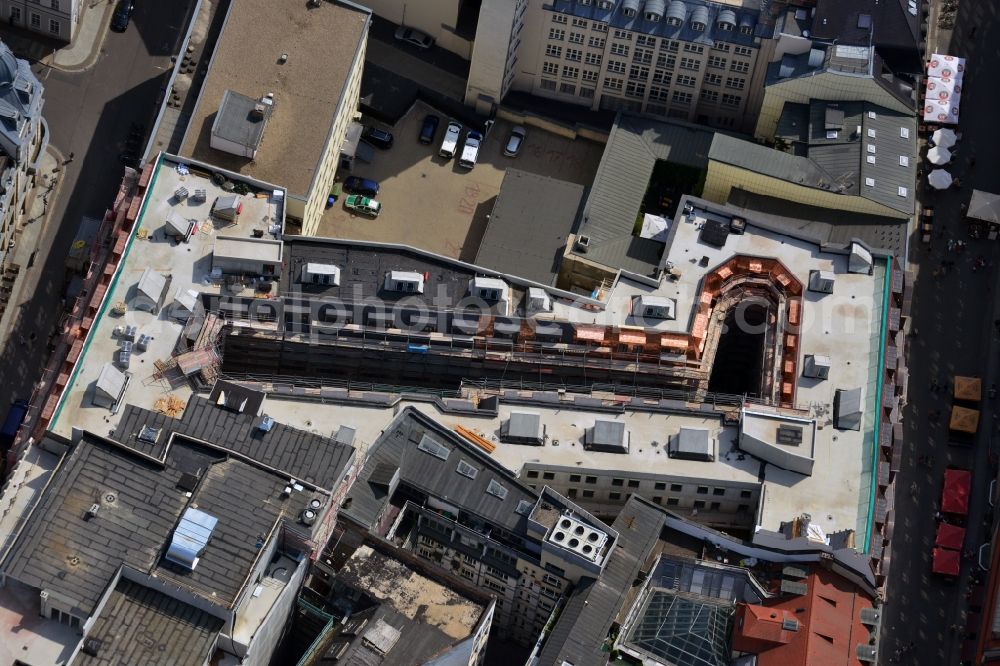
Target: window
{"x":666,"y":61}
{"x":36,"y":20}
{"x":682,"y":97}
{"x":548,"y":476}
{"x":588,"y":494}
{"x":718,"y":492}
{"x":547,"y":84}
{"x":550,"y":68}
{"x":739,"y":66}
{"x":599,"y":27}
{"x":579,"y":23}
{"x":54,"y":27}
{"x":576,"y":37}
{"x":591,"y":479}
{"x":623,"y":34}
{"x":709,"y":95}
{"x":743,"y":51}
{"x":660,"y":76}
{"x":567,"y":88}
{"x":643,"y":56}
{"x":616,"y":67}
{"x":55,"y":5}
{"x":645,"y":40}
{"x":589,"y":75}
{"x":657,"y":500}
{"x":619,"y":49}
{"x":593,"y":58}
{"x":574,"y":478}
{"x":673,"y":47}
{"x":15,"y":14}
{"x":555,"y":33}
{"x":702,"y":490}
{"x":494,"y":585}
{"x":743,"y":508}
{"x":559,"y":18}
{"x":694,"y":48}
{"x":633,"y":483}
{"x":596,"y":42}
{"x":574,"y":54}
{"x":570,"y":72}
{"x":635,"y":89}
{"x":672,"y":501}
{"x":659,"y":486}
{"x":699,"y":504}
{"x":720,"y":46}
{"x":736,"y":83}
{"x":713,"y":79}
{"x":553,"y":51}
{"x":617,"y":482}
{"x":902,"y":191}
{"x":658,"y":94}
{"x":715,"y":506}
{"x":904,"y":132}
{"x":745,"y":494}
{"x":685,"y":80}
{"x":676,"y":487}
{"x":731,"y":100}
{"x":904,"y":160}
{"x":716,"y":62}
{"x":690,"y":63}
{"x":571,"y":493}
{"x":642,"y":73}
{"x":614,"y":496}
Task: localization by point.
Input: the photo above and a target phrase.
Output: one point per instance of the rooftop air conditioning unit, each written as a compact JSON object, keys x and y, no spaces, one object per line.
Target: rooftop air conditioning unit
{"x":308,"y":517}
{"x":576,"y":536}
{"x":582,"y":244}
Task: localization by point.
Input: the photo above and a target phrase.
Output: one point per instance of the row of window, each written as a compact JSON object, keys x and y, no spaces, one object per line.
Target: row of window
{"x":577,"y":23}
{"x":636,"y":483}
{"x":615,"y":496}
{"x":55,"y":27}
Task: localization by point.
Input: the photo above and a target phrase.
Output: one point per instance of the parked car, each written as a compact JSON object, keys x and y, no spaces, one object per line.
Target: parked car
{"x":471,"y":150}
{"x":450,"y":142}
{"x":514,"y":141}
{"x":122,"y":15}
{"x":429,"y":128}
{"x":358,"y":185}
{"x":379,"y":138}
{"x":362,"y":204}
{"x":414,"y":37}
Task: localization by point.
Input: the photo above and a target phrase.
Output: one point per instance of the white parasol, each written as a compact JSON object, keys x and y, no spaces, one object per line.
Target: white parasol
{"x":939,"y":179}
{"x":938,"y":155}
{"x":944,"y":137}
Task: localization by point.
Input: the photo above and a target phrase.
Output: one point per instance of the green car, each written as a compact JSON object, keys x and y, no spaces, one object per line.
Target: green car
{"x":363,"y":205}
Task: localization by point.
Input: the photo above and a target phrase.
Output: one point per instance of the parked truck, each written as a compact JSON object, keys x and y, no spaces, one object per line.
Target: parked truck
{"x":449,"y":144}
{"x":471,"y":150}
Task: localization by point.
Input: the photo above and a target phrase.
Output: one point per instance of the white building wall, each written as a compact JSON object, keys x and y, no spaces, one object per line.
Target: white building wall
{"x":266,"y":639}
{"x":55,"y":19}
{"x":494,"y":52}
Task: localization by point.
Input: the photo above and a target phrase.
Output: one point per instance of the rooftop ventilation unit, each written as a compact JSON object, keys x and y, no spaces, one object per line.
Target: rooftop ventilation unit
{"x":308,"y":517}
{"x":265,"y":423}
{"x":582,"y":244}
{"x":538,"y":300}
{"x":654,"y":307}
{"x":191,"y":538}
{"x":821,"y":281}
{"x":488,"y":289}
{"x":576,"y":536}
{"x":407,"y":282}
{"x":148,"y":434}
{"x":524,"y":507}
{"x":608,"y":436}
{"x":325,"y":274}
{"x":816,"y":367}
{"x":523,"y":428}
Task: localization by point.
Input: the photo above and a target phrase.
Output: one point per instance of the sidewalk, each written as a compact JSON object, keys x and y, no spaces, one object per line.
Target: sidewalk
{"x":78,"y":56}
{"x":31,"y":227}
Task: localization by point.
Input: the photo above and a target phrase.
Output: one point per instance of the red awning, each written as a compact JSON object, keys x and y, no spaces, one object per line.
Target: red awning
{"x":946,"y":562}
{"x":955,"y":495}
{"x":950,"y":536}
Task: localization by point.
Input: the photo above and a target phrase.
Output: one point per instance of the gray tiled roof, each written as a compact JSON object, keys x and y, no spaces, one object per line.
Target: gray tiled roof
{"x":531,"y":219}
{"x":397,"y":446}
{"x":634,"y":146}
{"x":139,"y":625}
{"x":140,"y":505}
{"x":315,"y":459}
{"x":594,"y":604}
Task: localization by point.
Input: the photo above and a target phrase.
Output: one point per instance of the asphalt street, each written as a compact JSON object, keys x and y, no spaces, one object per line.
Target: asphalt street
{"x":925,"y":615}
{"x":89,"y":115}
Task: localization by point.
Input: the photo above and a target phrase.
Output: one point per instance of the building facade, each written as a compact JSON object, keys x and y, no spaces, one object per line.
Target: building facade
{"x":55,"y":19}
{"x":22,"y":142}
{"x":691,"y":61}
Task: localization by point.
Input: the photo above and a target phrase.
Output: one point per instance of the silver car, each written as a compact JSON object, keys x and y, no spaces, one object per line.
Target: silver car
{"x":415,"y":37}
{"x":514,"y":141}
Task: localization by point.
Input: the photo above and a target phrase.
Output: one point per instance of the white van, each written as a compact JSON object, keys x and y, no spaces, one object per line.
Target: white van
{"x":450,"y":142}
{"x":471,"y":150}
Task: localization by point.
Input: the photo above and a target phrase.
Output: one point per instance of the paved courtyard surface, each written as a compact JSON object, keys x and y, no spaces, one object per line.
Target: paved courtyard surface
{"x":432,"y":203}
{"x":953,"y":315}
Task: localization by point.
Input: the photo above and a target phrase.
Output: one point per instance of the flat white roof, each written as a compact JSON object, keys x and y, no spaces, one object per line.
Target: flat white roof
{"x":254,"y":249}
{"x":322,"y":269}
